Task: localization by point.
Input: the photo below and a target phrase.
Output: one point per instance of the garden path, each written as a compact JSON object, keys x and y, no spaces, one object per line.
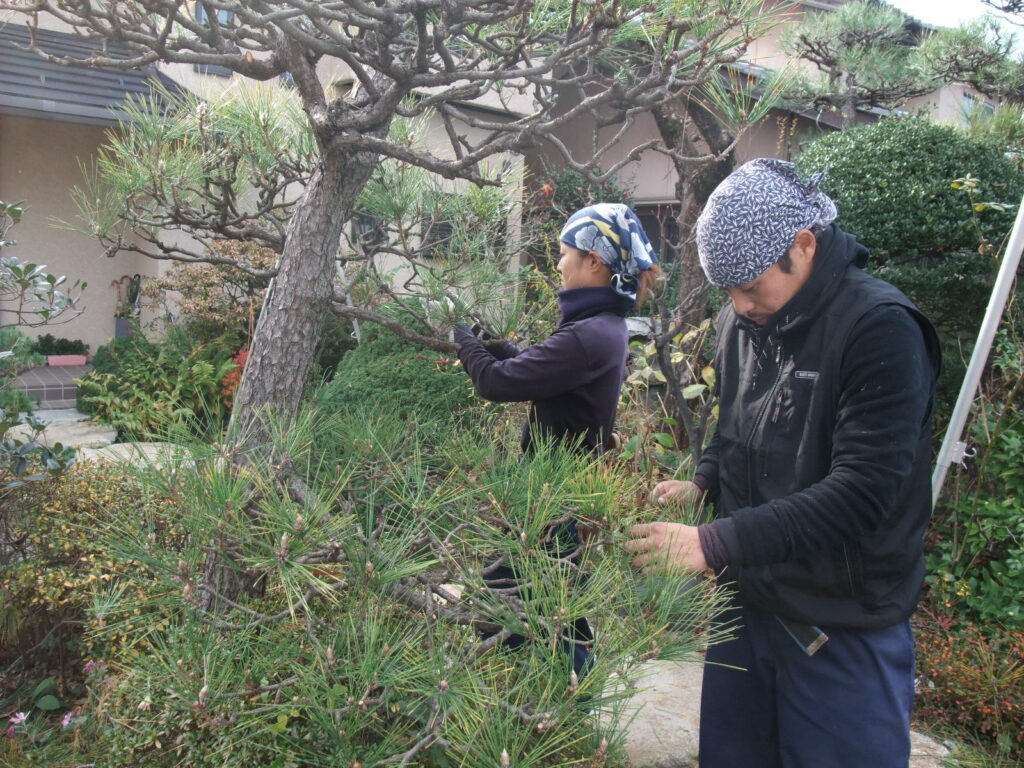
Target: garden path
{"x":94,"y":442}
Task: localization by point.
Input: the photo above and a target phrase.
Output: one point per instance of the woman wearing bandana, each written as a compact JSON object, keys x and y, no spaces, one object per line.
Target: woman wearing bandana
{"x":574,"y":377}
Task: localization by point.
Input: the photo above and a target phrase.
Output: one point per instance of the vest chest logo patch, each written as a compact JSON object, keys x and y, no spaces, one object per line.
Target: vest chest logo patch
{"x":806,"y":375}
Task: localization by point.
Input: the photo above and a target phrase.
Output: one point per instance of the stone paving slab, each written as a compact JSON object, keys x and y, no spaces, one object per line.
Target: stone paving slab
{"x":60,"y":415}
{"x":664,"y":732}
{"x":157,"y":454}
{"x":77,"y":434}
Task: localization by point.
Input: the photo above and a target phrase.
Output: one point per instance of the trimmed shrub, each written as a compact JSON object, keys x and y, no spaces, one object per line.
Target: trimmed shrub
{"x":891,"y":182}
{"x":48,"y":344}
{"x":412,"y":381}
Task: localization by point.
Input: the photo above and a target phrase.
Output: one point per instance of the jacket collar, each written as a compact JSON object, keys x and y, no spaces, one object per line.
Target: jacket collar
{"x":581,"y":303}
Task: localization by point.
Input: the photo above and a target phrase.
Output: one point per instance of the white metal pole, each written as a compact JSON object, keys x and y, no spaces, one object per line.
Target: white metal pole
{"x":953,"y":448}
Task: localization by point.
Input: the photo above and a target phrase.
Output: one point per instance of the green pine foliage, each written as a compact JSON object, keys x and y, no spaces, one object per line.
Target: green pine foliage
{"x":364,"y":537}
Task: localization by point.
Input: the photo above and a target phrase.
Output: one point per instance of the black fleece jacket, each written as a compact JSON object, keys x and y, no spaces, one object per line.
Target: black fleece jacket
{"x":573,"y":377}
{"x":820,"y":463}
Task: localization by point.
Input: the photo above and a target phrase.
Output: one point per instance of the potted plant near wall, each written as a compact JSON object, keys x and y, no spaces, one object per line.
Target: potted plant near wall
{"x":60,"y":351}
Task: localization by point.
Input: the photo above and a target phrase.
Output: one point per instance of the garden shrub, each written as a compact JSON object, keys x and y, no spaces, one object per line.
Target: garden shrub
{"x":25,"y":356}
{"x":57,"y":571}
{"x":894,"y":185}
{"x":971,"y":659}
{"x":975,"y":553}
{"x":22,"y":357}
{"x":217,"y":300}
{"x":121,"y":352}
{"x":48,"y":344}
{"x":336,"y":340}
{"x":408,"y":379}
{"x":144,"y":388}
{"x":971,"y":680}
{"x":891,"y":182}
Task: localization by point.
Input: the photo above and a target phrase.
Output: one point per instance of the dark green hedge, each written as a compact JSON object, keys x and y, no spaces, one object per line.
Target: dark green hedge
{"x":892,"y":184}
{"x":409,"y":380}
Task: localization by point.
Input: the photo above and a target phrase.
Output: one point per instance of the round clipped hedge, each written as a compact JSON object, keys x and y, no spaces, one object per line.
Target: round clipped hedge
{"x":892,"y":183}
{"x":410,"y":380}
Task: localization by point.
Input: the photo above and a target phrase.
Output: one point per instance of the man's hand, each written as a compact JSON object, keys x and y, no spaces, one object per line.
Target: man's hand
{"x":666,"y":546}
{"x":679,"y":492}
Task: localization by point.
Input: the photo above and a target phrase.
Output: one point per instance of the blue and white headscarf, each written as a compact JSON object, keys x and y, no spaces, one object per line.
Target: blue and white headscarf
{"x":751,"y":218}
{"x":615,"y":234}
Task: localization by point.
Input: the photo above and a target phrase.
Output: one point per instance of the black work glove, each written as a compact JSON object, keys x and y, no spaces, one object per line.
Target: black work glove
{"x":482,"y":332}
{"x":463,"y":334}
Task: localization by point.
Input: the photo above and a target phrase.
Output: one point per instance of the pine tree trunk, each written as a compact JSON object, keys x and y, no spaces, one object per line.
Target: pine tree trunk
{"x":286,"y":337}
{"x":693,"y":186}
{"x":288,"y":331}
{"x":849,"y":108}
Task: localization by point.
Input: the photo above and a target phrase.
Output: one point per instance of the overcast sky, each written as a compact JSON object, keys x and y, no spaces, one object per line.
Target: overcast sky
{"x":942,"y":13}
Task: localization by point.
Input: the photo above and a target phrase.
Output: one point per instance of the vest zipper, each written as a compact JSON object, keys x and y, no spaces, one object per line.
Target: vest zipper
{"x":778,"y":408}
{"x":760,"y":416}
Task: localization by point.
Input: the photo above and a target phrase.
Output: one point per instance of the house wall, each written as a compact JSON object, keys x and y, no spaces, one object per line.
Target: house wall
{"x":948,"y":105}
{"x":39,"y":163}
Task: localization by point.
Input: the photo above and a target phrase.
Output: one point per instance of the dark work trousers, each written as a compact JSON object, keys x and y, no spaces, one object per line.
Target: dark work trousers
{"x":847,"y":706}
{"x":564,"y":541}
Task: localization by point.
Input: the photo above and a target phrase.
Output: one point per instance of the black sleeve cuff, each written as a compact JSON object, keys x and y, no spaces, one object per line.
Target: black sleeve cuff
{"x":713,"y":548}
{"x":723,"y":544}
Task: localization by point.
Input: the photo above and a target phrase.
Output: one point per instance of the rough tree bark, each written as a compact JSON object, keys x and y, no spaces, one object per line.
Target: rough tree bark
{"x":288,"y":330}
{"x":694,"y":183}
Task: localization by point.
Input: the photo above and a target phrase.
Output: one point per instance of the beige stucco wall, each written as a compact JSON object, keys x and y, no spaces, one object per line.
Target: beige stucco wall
{"x":948,"y":104}
{"x":39,"y":163}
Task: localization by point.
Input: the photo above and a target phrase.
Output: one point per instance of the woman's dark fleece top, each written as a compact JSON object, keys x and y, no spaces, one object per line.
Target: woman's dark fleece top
{"x":573,"y":377}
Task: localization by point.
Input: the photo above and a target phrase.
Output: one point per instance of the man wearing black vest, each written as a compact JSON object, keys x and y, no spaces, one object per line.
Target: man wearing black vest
{"x":819,"y":470}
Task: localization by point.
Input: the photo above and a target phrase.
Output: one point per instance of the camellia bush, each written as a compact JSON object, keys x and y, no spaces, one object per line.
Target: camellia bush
{"x":893,"y":185}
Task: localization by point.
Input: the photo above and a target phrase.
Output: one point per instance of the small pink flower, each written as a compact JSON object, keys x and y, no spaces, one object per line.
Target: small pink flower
{"x":89,"y":666}
{"x":19,"y":717}
{"x":9,"y":733}
{"x":66,"y":722}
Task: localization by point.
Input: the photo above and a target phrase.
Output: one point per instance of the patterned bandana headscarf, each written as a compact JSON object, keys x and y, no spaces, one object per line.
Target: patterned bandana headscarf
{"x":750,"y":220}
{"x":615,"y":234}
